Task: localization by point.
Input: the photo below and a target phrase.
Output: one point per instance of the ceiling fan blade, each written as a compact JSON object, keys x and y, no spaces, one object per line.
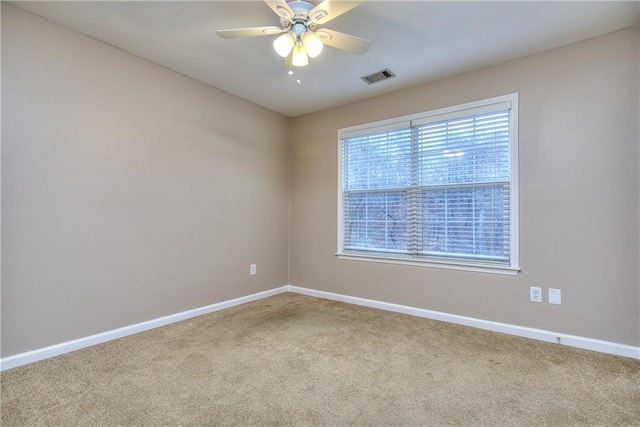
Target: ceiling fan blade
{"x":236,"y":33}
{"x":328,"y":10}
{"x":281,"y":8}
{"x":343,"y":41}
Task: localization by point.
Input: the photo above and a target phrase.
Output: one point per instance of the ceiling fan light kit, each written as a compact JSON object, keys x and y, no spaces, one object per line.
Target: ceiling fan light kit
{"x":312,"y":44}
{"x":283,"y":44}
{"x":302,"y":39}
{"x":300,"y":57}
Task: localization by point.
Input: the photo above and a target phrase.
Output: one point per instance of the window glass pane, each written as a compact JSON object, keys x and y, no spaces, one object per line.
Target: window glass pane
{"x":376,"y":221}
{"x":380,"y":160}
{"x":466,"y":222}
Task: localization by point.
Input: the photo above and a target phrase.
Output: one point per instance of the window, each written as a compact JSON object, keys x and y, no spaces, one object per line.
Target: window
{"x":435,"y":189}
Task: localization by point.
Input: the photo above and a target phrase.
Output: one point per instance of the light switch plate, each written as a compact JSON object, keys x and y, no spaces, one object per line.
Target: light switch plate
{"x":555,"y":296}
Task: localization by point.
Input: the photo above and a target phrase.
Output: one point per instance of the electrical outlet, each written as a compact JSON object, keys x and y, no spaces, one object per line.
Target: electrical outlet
{"x":535,"y":294}
{"x":555,"y":296}
{"x":253,"y":270}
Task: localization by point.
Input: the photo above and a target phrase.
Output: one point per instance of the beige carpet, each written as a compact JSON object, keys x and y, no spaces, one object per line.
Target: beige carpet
{"x":297,"y":360}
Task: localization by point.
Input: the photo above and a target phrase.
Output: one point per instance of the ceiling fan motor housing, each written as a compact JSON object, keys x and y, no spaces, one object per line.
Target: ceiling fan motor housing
{"x":300,"y":9}
{"x":298,"y":29}
{"x":301,"y":16}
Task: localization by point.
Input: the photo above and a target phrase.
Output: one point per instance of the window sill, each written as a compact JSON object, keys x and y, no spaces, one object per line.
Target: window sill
{"x":450,"y":265}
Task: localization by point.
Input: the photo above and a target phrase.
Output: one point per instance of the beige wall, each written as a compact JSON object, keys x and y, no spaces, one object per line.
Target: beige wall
{"x":129,"y":192}
{"x":579,"y":191}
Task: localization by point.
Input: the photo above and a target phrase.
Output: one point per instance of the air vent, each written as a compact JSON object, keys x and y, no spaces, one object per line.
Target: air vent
{"x":378,"y":76}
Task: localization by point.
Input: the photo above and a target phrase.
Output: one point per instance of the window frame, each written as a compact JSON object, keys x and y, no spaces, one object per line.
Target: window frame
{"x":402,"y":259}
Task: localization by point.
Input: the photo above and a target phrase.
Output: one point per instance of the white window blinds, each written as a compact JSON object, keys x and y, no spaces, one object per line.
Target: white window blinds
{"x":437,"y":188}
{"x":377,"y":175}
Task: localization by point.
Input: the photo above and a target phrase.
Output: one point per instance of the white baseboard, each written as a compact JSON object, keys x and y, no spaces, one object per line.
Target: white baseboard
{"x":66,"y":347}
{"x":521,"y":331}
{"x":538,"y":334}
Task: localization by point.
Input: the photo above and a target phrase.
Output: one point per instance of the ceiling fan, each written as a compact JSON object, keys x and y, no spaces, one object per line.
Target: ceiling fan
{"x":303,"y":38}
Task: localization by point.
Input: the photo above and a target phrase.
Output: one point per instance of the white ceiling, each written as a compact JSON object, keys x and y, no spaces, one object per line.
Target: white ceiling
{"x":419,"y":41}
